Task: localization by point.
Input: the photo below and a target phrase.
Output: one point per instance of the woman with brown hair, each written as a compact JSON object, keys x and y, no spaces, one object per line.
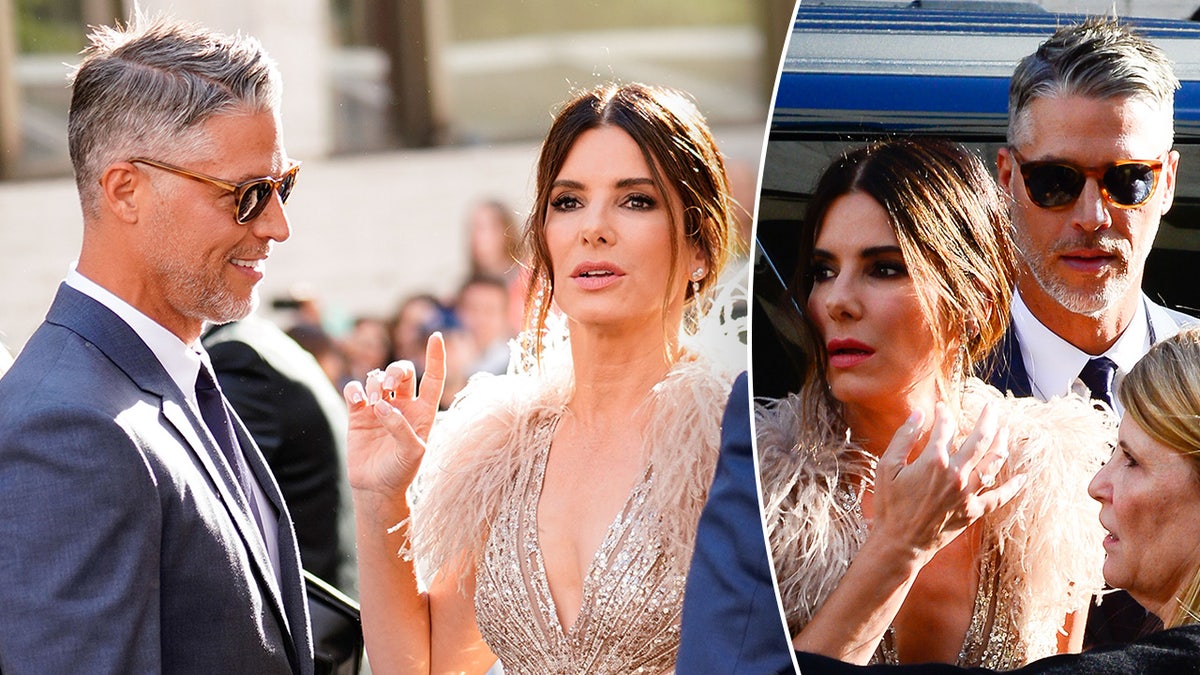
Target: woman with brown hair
{"x":555,"y":513}
{"x":1149,"y":494}
{"x":914,"y":513}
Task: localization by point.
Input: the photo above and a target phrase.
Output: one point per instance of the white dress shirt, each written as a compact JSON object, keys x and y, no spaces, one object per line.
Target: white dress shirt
{"x":182,"y":363}
{"x":1054,"y":364}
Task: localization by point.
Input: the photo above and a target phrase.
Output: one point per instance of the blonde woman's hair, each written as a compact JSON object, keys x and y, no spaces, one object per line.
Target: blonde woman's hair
{"x":1162,"y":394}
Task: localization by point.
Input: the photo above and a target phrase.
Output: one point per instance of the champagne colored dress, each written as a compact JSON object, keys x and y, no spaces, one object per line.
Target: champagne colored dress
{"x":1041,"y":556}
{"x":476,"y":509}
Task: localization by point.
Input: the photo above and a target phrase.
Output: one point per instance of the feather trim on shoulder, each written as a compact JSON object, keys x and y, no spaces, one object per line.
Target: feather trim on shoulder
{"x":811,"y":477}
{"x":1049,"y":536}
{"x":475,"y":449}
{"x":683,"y":437}
{"x":486,"y":438}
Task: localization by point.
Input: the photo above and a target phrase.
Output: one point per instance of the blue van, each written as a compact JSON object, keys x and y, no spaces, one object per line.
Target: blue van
{"x":855,"y":70}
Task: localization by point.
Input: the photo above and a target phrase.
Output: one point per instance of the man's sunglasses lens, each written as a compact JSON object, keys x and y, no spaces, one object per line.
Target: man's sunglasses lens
{"x":1129,"y":184}
{"x":1053,"y":185}
{"x":253,"y":201}
{"x":256,"y":195}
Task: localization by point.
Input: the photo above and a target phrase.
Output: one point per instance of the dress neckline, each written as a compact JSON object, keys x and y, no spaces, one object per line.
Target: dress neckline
{"x":988,"y":637}
{"x":618,"y":529}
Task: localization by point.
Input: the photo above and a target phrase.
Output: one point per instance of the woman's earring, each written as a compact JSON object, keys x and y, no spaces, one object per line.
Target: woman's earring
{"x":697,"y":275}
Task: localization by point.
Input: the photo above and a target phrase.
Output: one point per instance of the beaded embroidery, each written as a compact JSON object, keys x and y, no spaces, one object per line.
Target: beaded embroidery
{"x":1040,"y":557}
{"x":629,"y":617}
{"x":991,"y":640}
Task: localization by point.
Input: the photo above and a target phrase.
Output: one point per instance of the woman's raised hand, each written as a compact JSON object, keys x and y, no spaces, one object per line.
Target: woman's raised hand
{"x":390,"y":421}
{"x":925,"y":504}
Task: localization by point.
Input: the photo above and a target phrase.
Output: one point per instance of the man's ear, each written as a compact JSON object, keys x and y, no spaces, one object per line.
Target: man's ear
{"x":120,"y":185}
{"x":1169,"y":172}
{"x":1005,"y":166}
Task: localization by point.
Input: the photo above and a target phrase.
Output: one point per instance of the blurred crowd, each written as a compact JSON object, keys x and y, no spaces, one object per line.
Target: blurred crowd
{"x":477,"y":321}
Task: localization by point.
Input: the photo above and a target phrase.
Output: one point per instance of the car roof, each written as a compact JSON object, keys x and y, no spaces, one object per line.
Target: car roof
{"x":936,"y":67}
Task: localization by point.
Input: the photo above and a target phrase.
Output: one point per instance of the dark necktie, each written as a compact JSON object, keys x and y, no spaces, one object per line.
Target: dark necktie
{"x":212,"y":409}
{"x":1097,"y":374}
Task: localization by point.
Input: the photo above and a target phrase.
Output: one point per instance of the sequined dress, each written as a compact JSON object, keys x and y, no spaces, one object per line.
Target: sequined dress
{"x":1040,"y":557}
{"x":480,"y":504}
{"x":629,"y":617}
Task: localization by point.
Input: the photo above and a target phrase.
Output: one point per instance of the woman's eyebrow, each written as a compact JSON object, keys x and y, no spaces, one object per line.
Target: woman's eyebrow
{"x":877,"y":251}
{"x":869,"y":252}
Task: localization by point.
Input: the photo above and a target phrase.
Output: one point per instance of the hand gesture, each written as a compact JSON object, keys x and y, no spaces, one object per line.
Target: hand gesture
{"x":390,"y":421}
{"x":925,"y":504}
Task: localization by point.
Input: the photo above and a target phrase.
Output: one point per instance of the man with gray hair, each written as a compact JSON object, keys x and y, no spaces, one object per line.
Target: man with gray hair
{"x":1091,"y":171}
{"x":142,"y":530}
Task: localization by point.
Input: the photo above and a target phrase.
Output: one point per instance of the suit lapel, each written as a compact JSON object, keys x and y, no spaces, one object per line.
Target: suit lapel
{"x":295,"y":601}
{"x":266,"y":481}
{"x":205,"y":450}
{"x":1162,"y":324}
{"x":1005,"y":368}
{"x":121,"y":345}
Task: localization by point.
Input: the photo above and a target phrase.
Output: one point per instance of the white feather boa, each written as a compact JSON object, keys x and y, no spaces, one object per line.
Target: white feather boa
{"x":484,"y":440}
{"x":1048,"y":536}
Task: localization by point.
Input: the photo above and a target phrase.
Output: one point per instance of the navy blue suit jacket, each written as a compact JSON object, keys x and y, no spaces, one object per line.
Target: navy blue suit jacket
{"x":126,"y":548}
{"x":731,"y":619}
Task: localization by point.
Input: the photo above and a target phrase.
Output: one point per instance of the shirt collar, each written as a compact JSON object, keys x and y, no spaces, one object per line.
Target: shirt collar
{"x":1053,"y":363}
{"x":181,"y":361}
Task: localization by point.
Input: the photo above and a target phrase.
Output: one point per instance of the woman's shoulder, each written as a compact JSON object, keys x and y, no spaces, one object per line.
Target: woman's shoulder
{"x":681,"y":440}
{"x":1049,"y":534}
{"x":682,"y":417}
{"x":694,"y":377}
{"x":811,"y":476}
{"x":800,"y":437}
{"x":491,"y":433}
{"x":810,"y":472}
{"x":492,"y":426}
{"x":1069,"y":427}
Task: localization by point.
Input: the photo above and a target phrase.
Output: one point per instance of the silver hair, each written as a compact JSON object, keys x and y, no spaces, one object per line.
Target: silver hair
{"x":146,"y":88}
{"x":1099,"y":58}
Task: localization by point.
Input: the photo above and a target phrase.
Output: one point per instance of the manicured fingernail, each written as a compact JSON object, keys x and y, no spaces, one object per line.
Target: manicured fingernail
{"x":373,"y":398}
{"x":389,"y":382}
{"x":356,"y":397}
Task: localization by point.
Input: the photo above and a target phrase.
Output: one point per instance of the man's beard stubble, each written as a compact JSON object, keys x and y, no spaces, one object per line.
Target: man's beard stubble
{"x":1091,"y":301}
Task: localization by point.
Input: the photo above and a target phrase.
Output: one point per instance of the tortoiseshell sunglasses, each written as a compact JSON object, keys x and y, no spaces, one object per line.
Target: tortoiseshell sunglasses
{"x":251,"y":196}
